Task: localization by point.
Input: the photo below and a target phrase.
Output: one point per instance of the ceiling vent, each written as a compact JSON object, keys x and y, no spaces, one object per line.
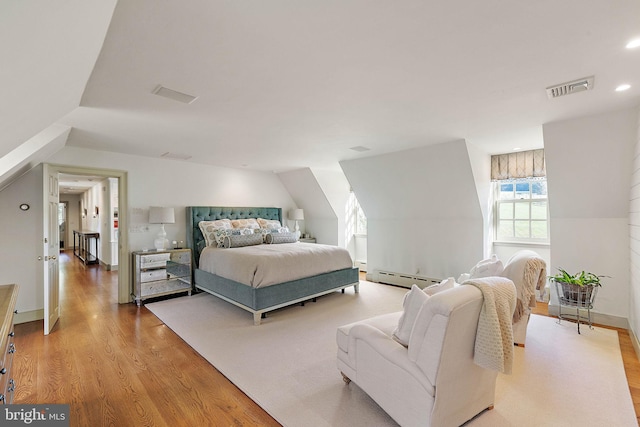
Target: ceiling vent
{"x":568,"y":88}
{"x":360,"y":148}
{"x":175,"y":156}
{"x":174,"y":94}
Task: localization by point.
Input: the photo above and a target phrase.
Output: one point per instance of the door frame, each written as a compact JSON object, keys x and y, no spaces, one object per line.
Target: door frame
{"x":124,"y":292}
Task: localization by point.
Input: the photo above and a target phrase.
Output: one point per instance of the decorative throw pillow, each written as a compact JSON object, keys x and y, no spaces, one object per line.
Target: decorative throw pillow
{"x":208,"y":228}
{"x":486,"y":268}
{"x":269,"y":224}
{"x":447,"y":283}
{"x":281,"y":237}
{"x":239,"y":240}
{"x":245,"y":223}
{"x":411,"y":304}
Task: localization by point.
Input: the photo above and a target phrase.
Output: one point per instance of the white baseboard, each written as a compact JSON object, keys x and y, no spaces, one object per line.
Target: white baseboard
{"x":599,"y":318}
{"x":28,"y":316}
{"x":362,"y":265}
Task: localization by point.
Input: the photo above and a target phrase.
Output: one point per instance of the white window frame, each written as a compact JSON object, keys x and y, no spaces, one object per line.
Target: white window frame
{"x":496,"y":212}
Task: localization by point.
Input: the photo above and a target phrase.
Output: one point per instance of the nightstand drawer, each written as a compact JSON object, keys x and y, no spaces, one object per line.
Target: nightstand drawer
{"x":164,"y":287}
{"x":154,"y":260}
{"x":151,"y":275}
{"x":181,"y":257}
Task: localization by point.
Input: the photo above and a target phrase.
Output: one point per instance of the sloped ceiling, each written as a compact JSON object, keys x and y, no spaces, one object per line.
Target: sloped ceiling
{"x":48,"y":51}
{"x":283,"y":84}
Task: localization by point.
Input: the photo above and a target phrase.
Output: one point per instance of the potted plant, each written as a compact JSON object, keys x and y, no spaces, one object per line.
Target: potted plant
{"x":579,"y":289}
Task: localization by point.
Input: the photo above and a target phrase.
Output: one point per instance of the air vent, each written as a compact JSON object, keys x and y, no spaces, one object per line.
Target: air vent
{"x":360,"y":148}
{"x":175,"y":156}
{"x":568,"y":88}
{"x":174,"y":95}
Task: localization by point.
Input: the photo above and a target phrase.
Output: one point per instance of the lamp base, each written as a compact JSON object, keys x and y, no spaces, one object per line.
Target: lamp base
{"x":161,"y":243}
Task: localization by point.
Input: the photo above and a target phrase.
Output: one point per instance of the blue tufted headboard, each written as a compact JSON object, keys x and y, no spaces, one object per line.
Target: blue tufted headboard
{"x":195,"y":214}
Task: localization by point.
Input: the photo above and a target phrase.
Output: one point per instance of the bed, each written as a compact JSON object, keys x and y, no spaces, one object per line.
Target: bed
{"x":260,"y":297}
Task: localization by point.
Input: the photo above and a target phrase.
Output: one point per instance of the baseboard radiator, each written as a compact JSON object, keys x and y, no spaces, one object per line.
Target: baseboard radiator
{"x":404,"y":280}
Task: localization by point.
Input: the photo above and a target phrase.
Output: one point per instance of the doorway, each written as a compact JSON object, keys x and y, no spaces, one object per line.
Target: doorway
{"x":118,"y":241}
{"x":62,"y":224}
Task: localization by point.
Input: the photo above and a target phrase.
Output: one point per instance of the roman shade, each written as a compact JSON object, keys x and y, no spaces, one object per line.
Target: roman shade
{"x":524,"y":164}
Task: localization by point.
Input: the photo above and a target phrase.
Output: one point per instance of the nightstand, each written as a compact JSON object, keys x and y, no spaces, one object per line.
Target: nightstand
{"x":307,"y":239}
{"x":158,"y":273}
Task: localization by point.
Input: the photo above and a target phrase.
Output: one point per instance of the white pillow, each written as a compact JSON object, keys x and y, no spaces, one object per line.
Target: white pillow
{"x":245,"y":223}
{"x":463,"y":277}
{"x":487,"y":267}
{"x":447,"y":283}
{"x":209,"y":228}
{"x":411,"y":303}
{"x":269,"y":224}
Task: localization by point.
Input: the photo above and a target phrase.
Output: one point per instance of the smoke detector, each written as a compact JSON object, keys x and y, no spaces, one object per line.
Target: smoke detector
{"x":568,"y":88}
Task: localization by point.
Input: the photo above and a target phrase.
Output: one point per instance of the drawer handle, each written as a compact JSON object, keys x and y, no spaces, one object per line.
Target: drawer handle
{"x":3,"y":371}
{"x":2,"y":398}
{"x":12,"y":348}
{"x":12,"y":334}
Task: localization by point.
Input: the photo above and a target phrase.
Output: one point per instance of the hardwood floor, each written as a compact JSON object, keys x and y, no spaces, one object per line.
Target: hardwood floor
{"x":117,"y":364}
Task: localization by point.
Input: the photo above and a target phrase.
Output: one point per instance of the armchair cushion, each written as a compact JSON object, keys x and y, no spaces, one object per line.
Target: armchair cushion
{"x":486,"y":268}
{"x":439,"y":287}
{"x":411,"y":303}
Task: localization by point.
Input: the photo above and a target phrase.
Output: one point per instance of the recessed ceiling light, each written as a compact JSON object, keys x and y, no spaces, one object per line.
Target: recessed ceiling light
{"x":516,"y":149}
{"x":633,"y":44}
{"x":623,"y":87}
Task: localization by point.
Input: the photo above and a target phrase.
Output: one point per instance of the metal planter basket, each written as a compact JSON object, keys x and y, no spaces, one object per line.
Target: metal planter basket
{"x":579,"y":297}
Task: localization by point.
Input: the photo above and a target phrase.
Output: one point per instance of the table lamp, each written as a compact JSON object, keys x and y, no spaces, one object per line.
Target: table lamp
{"x":297,"y":215}
{"x":162,"y":216}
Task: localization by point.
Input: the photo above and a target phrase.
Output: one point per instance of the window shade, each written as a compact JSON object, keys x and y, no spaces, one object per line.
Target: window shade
{"x":525,"y":164}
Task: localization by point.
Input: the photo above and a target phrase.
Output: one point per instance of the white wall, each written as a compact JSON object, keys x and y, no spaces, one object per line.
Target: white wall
{"x":589,"y":163}
{"x":319,"y":218}
{"x":634,"y":236}
{"x":335,"y":188}
{"x":21,"y":240}
{"x":163,"y":182}
{"x":422,"y":210}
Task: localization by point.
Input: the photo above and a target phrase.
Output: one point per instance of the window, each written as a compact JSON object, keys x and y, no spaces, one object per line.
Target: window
{"x":521,"y":210}
{"x":355,"y":217}
{"x":361,"y":220}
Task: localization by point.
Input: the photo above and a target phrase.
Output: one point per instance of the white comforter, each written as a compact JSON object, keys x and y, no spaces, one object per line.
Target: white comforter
{"x":264,"y":265}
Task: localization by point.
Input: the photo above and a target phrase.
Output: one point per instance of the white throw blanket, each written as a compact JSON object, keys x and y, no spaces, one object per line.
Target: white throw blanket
{"x":494,"y":336}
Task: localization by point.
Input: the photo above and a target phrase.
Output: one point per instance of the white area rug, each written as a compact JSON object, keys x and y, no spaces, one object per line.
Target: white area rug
{"x":288,"y":364}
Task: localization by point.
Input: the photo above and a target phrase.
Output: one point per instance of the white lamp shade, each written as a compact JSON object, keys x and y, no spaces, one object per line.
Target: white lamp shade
{"x":160,"y":215}
{"x":296,"y":214}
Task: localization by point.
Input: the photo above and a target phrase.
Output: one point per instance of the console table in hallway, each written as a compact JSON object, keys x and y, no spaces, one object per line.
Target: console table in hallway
{"x":83,"y":249}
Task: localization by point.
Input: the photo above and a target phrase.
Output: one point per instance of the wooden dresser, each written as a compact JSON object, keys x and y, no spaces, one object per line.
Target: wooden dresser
{"x":8,"y":297}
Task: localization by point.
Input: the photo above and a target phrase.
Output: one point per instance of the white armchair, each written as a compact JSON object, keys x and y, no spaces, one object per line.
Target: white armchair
{"x":434,"y":381}
{"x":529,"y":273}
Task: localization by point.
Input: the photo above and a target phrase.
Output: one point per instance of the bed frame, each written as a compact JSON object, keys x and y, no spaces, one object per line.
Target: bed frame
{"x":258,"y":300}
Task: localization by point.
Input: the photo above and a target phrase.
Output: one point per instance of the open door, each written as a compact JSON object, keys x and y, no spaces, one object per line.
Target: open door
{"x":51,"y":248}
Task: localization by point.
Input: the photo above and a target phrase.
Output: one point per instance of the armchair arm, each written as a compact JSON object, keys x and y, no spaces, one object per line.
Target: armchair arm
{"x":389,"y":349}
